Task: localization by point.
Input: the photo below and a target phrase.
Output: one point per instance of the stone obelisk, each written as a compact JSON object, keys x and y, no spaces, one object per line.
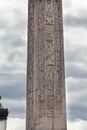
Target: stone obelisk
{"x":46,"y":104}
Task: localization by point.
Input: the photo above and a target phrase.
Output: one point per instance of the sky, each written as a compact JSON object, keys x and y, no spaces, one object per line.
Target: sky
{"x":13,"y":50}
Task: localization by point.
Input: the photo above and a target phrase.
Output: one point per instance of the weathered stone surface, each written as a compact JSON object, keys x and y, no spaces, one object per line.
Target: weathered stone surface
{"x":46,"y":106}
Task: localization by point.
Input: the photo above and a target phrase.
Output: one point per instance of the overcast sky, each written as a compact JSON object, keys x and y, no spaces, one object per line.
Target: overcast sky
{"x":13,"y":31}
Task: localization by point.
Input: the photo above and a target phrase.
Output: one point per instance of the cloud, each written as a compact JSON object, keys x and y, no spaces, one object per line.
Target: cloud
{"x":13,"y":22}
{"x":16,"y":107}
{"x":76,"y":21}
{"x":74,"y":7}
{"x":77,"y":125}
{"x":76,"y":71}
{"x":76,"y":65}
{"x":13,"y":87}
{"x":75,"y":31}
{"x":16,"y":124}
{"x":76,"y":98}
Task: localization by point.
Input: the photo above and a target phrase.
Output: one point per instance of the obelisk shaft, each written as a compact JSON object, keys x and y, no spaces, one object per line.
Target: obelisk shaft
{"x":46,"y":104}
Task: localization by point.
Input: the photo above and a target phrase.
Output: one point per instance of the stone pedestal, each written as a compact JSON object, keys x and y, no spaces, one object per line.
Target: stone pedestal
{"x":46,"y":105}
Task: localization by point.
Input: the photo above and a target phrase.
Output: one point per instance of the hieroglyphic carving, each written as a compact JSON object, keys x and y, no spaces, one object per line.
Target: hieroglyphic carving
{"x":49,"y":57}
{"x":41,"y":65}
{"x":46,"y":73}
{"x":45,"y":91}
{"x":48,"y":1}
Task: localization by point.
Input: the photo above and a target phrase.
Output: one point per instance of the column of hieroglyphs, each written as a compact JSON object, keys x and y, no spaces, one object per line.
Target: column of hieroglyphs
{"x":46,"y":105}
